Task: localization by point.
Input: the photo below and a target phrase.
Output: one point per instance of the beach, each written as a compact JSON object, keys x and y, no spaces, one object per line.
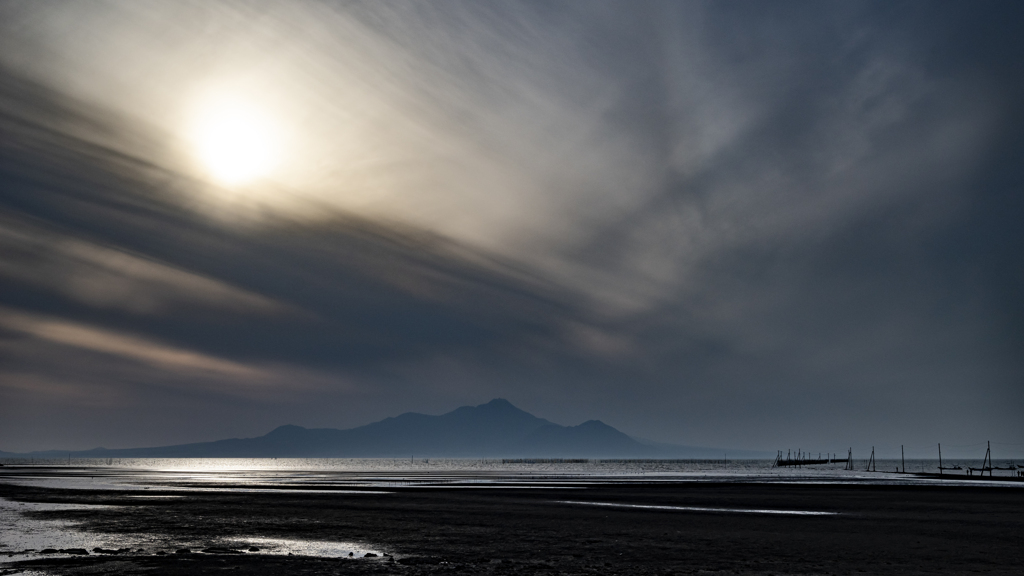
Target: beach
{"x":542,"y":523}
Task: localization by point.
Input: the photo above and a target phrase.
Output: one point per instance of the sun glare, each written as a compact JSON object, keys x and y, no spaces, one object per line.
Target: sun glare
{"x":236,"y":143}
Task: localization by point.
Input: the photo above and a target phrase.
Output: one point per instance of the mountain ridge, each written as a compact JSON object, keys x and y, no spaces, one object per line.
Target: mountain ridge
{"x":494,"y":429}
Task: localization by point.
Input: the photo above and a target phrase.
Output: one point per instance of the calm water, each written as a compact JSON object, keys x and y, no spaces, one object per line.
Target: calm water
{"x":279,"y":473}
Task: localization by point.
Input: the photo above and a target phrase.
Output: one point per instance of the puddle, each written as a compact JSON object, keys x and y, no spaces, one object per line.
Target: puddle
{"x":492,"y":487}
{"x":285,"y":546}
{"x":22,"y":537}
{"x":185,"y":490}
{"x":704,"y":509}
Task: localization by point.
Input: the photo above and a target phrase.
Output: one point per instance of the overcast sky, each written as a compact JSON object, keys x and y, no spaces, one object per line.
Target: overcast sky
{"x":755,"y":225}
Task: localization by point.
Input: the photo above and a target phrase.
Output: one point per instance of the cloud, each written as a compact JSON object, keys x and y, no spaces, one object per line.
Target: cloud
{"x":107,"y":277}
{"x":701,"y":223}
{"x":612,"y":151}
{"x":128,"y":347}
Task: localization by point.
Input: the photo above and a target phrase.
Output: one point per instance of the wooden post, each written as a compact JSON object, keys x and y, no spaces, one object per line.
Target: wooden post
{"x":988,"y":457}
{"x":903,"y":459}
{"x":940,"y":458}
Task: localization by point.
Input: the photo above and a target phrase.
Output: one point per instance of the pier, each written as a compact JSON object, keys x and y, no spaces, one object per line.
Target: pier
{"x":802,"y":459}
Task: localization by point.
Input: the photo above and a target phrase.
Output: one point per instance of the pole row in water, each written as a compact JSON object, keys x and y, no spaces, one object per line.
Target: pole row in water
{"x":800,"y":458}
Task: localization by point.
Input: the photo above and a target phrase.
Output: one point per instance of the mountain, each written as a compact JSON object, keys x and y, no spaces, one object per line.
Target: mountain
{"x":494,"y":429}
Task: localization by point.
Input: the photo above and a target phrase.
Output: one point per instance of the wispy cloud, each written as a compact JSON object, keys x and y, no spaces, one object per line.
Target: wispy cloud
{"x":107,"y":277}
{"x":132,"y":348}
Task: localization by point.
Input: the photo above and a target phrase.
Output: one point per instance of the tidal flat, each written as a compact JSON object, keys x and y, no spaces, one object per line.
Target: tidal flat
{"x":130,"y":521}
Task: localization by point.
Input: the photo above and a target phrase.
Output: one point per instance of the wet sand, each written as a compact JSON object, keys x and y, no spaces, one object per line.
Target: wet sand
{"x":675,"y":527}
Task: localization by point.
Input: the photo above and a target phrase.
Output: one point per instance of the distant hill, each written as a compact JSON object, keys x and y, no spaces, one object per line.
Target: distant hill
{"x":494,"y":429}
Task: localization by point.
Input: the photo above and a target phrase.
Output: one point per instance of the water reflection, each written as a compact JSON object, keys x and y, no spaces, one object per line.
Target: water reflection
{"x":701,"y":509}
{"x":319,"y":548}
{"x":24,"y":536}
{"x":366,"y":476}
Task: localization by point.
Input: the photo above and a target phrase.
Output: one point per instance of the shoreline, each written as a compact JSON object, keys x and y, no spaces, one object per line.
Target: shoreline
{"x":643,"y":528}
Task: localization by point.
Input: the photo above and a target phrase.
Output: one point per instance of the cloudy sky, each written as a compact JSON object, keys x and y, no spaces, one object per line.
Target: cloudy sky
{"x":755,"y":225}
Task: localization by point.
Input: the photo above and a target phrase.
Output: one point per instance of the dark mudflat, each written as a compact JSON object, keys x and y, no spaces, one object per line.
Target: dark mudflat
{"x":877,"y":530}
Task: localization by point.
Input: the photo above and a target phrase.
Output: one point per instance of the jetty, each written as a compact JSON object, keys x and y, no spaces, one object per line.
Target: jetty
{"x":803,"y":459}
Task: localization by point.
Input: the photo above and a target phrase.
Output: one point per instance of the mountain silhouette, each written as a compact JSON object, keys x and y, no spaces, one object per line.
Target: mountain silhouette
{"x":494,"y":429}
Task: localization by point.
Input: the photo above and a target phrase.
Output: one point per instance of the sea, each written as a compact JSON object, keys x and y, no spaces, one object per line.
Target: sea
{"x":273,"y":473}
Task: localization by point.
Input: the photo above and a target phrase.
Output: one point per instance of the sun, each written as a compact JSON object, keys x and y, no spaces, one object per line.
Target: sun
{"x":235,"y":142}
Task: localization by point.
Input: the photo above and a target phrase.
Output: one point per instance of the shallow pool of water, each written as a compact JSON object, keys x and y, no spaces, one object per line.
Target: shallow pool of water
{"x":25,"y":537}
{"x":319,"y":548}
